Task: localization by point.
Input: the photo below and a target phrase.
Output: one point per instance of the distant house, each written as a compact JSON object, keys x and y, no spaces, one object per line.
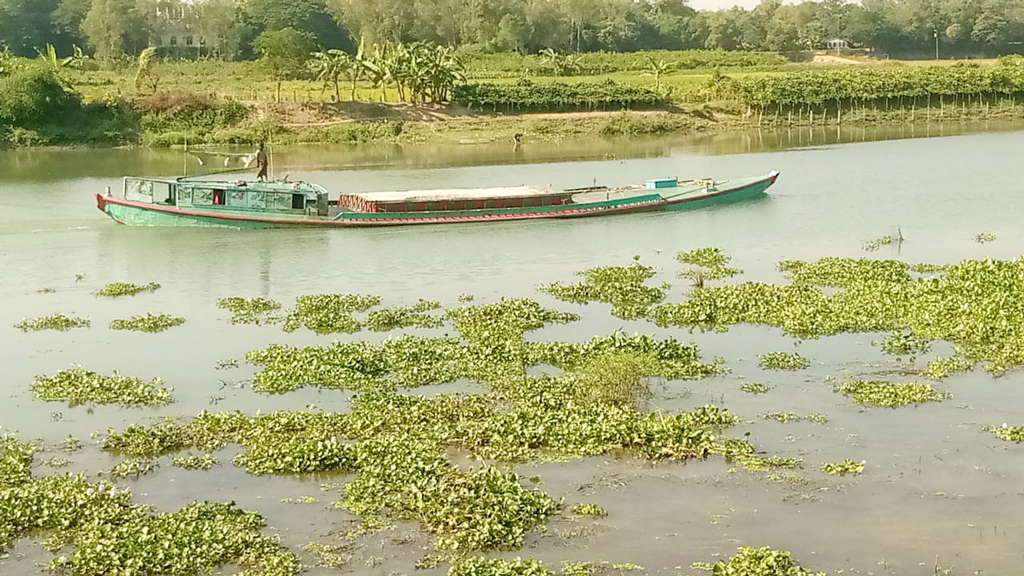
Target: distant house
{"x":176,"y":26}
{"x":836,"y":44}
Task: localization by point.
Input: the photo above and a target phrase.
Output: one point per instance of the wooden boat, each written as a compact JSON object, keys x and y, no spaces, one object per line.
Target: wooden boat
{"x":249,"y":204}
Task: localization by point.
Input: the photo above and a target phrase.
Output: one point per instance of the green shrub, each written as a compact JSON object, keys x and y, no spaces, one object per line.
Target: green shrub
{"x":31,"y":95}
{"x":525,"y":96}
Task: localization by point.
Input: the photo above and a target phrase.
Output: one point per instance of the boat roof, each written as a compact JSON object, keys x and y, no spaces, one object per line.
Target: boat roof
{"x":254,"y":185}
{"x":438,"y":195}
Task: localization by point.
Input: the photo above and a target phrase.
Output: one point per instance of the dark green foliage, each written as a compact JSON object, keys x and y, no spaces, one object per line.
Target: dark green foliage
{"x":527,"y":96}
{"x":31,"y":95}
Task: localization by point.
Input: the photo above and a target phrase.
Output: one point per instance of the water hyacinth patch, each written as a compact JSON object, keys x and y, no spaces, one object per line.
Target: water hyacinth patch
{"x":891,"y":394}
{"x":763,"y":561}
{"x":942,"y":367}
{"x":1008,"y":433}
{"x":589,"y":510}
{"x":984,"y":237}
{"x":115,"y":289}
{"x":196,"y":461}
{"x":506,"y":320}
{"x":77,"y":385}
{"x":405,"y":317}
{"x":782,"y":361}
{"x":782,"y":417}
{"x":104,"y":528}
{"x":621,"y":286}
{"x":329,"y":313}
{"x":876,"y":243}
{"x":15,"y":463}
{"x":851,"y":467}
{"x":148,"y":323}
{"x":480,"y":566}
{"x":251,"y":310}
{"x":978,"y":305}
{"x":58,"y":322}
{"x":706,"y":264}
{"x":132,"y":468}
{"x":755,"y":388}
{"x":904,"y":344}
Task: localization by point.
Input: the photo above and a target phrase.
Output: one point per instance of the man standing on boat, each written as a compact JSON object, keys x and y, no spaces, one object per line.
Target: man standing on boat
{"x":262,"y":162}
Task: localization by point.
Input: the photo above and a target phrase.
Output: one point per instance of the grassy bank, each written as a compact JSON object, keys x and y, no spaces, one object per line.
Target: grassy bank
{"x":218,"y":103}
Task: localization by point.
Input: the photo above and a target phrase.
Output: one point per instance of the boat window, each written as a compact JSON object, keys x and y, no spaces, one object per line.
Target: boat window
{"x":298,"y":201}
{"x":162,"y":193}
{"x":218,"y":197}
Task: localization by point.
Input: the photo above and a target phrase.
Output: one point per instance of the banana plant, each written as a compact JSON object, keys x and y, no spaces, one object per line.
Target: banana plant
{"x":144,"y":74}
{"x":657,"y":68}
{"x":329,"y":66}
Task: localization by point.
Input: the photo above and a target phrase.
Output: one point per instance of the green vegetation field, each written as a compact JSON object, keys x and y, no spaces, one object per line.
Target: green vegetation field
{"x":164,"y":103}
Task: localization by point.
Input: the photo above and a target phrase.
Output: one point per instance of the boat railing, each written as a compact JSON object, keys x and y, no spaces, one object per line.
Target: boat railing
{"x":238,"y":195}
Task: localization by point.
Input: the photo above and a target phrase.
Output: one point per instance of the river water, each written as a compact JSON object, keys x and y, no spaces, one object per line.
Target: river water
{"x":938,"y":490}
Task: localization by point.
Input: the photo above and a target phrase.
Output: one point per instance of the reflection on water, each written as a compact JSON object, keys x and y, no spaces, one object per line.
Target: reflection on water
{"x":936,"y":484}
{"x":54,"y":165}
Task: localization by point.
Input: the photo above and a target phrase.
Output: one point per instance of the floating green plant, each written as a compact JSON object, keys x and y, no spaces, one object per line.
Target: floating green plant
{"x":755,"y":388}
{"x":706,"y":264}
{"x":148,"y":323}
{"x":55,"y":322}
{"x":480,"y":566}
{"x":851,"y":467}
{"x":132,"y":468}
{"x":942,"y":367}
{"x":966,"y":304}
{"x":251,"y":310}
{"x":984,"y":237}
{"x":405,"y":317}
{"x":589,"y":510}
{"x":621,"y":286}
{"x":396,"y":445}
{"x":115,"y":289}
{"x":329,"y":313}
{"x":782,"y":417}
{"x":15,"y":463}
{"x":763,"y":561}
{"x":47,"y":290}
{"x":1008,"y":433}
{"x":56,"y":462}
{"x":103,"y":528}
{"x":229,"y":364}
{"x":782,"y":361}
{"x":196,"y":462}
{"x":77,"y":385}
{"x":817,"y":418}
{"x":891,"y":394}
{"x":140,"y":441}
{"x":328,"y":555}
{"x":904,"y":344}
{"x":875,"y":244}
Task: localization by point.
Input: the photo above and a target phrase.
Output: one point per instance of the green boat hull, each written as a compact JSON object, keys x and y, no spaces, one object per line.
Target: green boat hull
{"x":694,"y":196}
{"x":136,"y":216}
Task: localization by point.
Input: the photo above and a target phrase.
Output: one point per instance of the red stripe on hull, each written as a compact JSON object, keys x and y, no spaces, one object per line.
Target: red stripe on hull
{"x":101,"y":202}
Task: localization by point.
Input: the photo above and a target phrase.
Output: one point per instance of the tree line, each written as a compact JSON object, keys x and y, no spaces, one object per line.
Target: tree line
{"x":230,"y":29}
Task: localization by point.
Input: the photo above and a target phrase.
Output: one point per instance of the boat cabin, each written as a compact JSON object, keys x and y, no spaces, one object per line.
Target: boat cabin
{"x":298,"y":198}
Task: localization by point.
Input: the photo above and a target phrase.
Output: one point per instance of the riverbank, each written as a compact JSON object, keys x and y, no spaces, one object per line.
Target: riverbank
{"x":393,"y":123}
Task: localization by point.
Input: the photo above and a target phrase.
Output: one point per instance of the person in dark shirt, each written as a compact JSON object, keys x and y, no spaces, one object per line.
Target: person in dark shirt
{"x":262,"y":162}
